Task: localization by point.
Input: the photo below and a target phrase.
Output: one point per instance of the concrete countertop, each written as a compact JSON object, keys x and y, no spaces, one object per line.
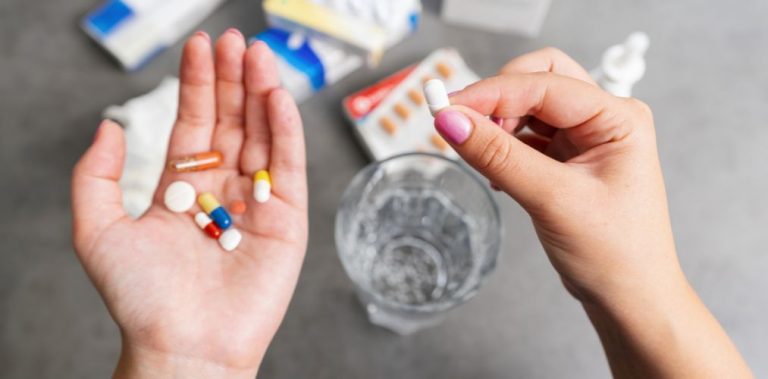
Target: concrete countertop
{"x":706,"y":81}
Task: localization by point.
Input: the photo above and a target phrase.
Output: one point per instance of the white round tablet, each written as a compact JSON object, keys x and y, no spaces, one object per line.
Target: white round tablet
{"x":179,"y":197}
{"x":230,"y":239}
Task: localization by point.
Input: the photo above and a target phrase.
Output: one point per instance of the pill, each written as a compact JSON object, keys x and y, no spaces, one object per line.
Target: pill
{"x":209,"y":227}
{"x":439,"y":142}
{"x":230,"y":239}
{"x":237,"y":207}
{"x":416,"y":97}
{"x":444,"y":70}
{"x":197,"y":162}
{"x":215,"y":211}
{"x":262,"y":186}
{"x":179,"y":197}
{"x":388,"y":125}
{"x":437,"y":96}
{"x":402,"y":111}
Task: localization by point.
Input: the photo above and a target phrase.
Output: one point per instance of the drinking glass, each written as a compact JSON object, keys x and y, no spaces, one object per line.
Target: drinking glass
{"x":418,"y":234}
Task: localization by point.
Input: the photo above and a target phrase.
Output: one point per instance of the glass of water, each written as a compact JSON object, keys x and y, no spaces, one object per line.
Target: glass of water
{"x":418,"y":234}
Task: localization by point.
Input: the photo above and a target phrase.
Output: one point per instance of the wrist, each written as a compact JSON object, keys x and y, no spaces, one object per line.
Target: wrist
{"x":139,"y":362}
{"x":665,"y":333}
{"x":649,"y":293}
{"x":621,"y":279}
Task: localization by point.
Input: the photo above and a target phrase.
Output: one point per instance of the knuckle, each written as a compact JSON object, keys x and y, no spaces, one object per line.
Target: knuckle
{"x":641,"y":108}
{"x":494,"y":157}
{"x":194,"y":118}
{"x":642,"y":114}
{"x":542,"y":75}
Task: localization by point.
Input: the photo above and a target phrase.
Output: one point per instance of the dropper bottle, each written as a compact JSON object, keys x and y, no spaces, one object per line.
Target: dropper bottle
{"x":623,"y":65}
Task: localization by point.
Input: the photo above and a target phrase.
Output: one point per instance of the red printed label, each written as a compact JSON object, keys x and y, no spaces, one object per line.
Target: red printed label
{"x":362,"y":102}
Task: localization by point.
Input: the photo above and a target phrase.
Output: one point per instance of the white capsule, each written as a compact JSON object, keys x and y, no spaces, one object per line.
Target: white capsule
{"x":230,"y":239}
{"x":437,"y":96}
{"x":202,"y":220}
{"x":262,"y":186}
{"x":179,"y":197}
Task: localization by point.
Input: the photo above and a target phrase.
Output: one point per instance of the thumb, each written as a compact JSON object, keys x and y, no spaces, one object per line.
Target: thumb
{"x":96,"y":196}
{"x":527,"y":175}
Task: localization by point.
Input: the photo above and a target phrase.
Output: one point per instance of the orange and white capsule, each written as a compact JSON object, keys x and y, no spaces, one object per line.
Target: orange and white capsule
{"x":197,"y":162}
{"x":209,"y":227}
{"x":262,"y":186}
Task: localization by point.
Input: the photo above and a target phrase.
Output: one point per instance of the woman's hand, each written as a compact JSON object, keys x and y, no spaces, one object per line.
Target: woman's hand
{"x":185,"y":306}
{"x":586,"y":169}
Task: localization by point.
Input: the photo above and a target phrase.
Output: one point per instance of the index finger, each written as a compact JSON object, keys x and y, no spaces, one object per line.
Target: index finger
{"x":548,"y":59}
{"x":560,"y":101}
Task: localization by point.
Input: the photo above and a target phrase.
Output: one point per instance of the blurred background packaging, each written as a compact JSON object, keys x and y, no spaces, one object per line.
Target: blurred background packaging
{"x":511,"y":16}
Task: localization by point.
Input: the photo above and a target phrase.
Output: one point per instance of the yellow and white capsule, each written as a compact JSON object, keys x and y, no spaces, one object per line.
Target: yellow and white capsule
{"x":262,"y":186}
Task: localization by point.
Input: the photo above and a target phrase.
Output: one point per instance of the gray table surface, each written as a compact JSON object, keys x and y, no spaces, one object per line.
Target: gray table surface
{"x":707,"y":83}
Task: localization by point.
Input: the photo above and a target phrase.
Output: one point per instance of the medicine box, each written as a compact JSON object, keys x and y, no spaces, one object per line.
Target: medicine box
{"x":135,"y":31}
{"x":391,"y":117}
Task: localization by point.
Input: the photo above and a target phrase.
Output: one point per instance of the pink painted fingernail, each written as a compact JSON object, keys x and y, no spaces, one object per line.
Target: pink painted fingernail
{"x":453,"y":125}
{"x":203,"y":34}
{"x":235,"y":32}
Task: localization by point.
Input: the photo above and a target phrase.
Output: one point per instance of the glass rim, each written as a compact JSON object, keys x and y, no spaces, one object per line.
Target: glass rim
{"x":437,"y":307}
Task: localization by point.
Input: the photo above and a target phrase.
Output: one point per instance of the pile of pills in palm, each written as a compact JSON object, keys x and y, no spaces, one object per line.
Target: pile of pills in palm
{"x":214,"y":220}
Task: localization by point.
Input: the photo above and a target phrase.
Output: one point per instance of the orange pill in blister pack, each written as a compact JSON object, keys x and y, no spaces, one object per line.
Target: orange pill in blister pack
{"x":197,"y":162}
{"x":439,"y":143}
{"x":416,"y":96}
{"x":388,"y":125}
{"x":402,"y":111}
{"x":444,"y":70}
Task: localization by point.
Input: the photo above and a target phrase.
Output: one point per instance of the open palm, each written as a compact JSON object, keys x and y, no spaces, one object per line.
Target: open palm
{"x":172,"y":289}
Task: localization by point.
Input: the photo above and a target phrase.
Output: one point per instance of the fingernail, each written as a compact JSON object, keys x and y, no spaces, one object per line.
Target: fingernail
{"x":261,"y":44}
{"x":452,"y":93}
{"x":454,"y":126}
{"x":203,"y":34}
{"x":235,"y":32}
{"x":497,"y":120}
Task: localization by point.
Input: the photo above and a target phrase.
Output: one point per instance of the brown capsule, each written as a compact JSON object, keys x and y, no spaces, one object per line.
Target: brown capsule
{"x":197,"y":162}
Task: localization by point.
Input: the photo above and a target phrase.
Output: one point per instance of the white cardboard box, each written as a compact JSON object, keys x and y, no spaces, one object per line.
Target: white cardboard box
{"x":507,"y":16}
